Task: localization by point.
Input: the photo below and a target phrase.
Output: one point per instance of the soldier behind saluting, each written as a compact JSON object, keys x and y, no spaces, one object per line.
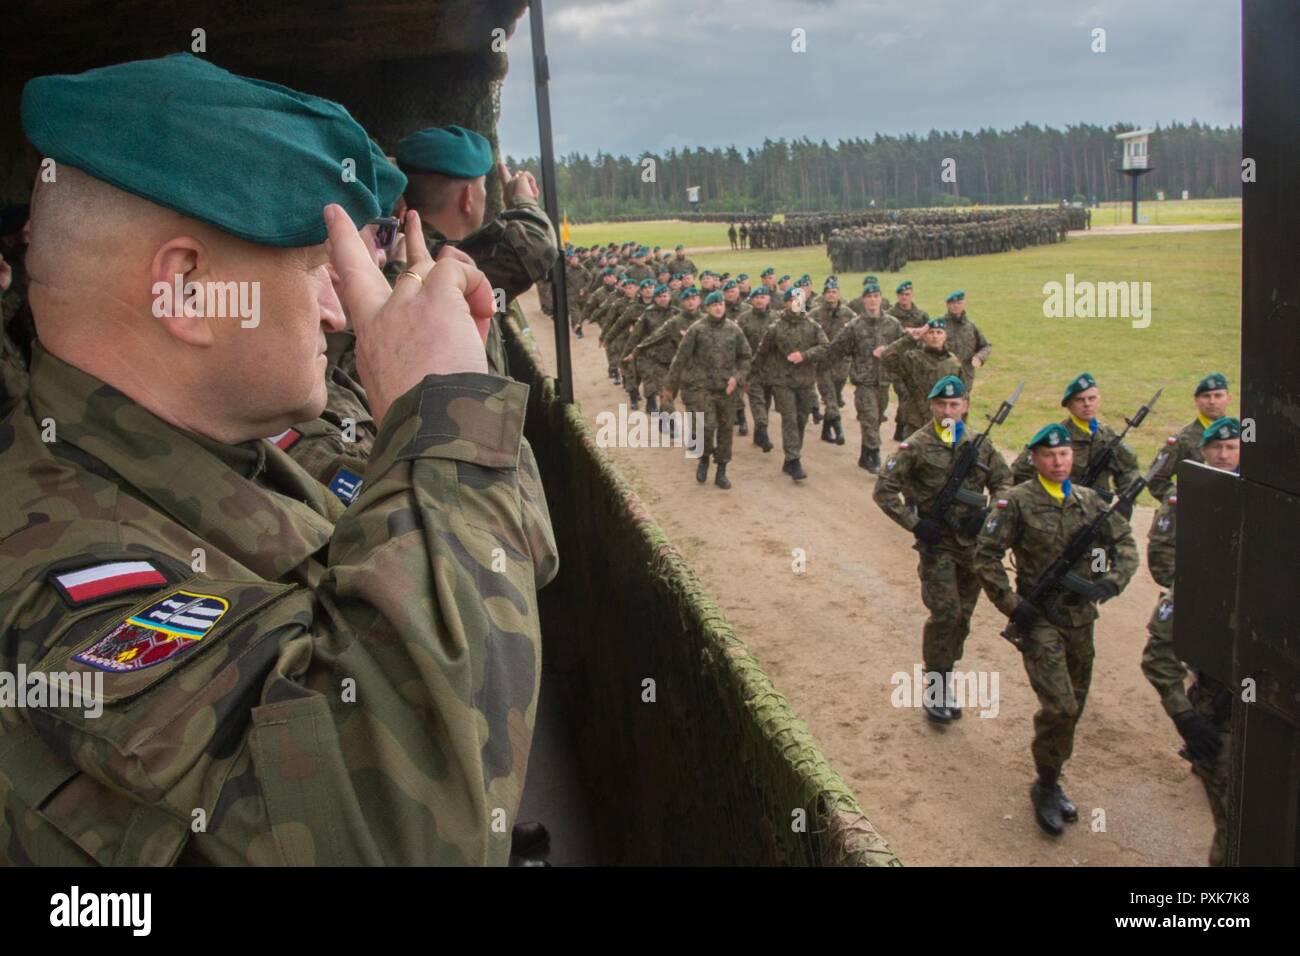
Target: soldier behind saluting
{"x":965,"y":340}
{"x":1212,"y":398}
{"x":1036,"y":520}
{"x":1202,"y":714}
{"x":917,"y":360}
{"x":950,"y":588}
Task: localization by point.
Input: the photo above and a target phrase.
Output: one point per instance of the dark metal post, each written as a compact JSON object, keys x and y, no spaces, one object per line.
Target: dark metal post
{"x":560,"y":299}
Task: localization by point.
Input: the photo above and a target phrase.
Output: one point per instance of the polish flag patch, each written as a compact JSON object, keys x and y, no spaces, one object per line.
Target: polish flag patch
{"x":99,"y":581}
{"x":286,"y":439}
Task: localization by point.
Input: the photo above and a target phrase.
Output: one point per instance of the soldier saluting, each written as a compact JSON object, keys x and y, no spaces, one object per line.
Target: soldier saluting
{"x":1056,"y":531}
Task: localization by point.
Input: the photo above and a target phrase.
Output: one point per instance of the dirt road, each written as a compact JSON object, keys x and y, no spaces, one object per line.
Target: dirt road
{"x":833,"y":637}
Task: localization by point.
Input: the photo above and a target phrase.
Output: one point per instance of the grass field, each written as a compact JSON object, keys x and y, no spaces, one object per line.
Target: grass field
{"x":1194,"y":330}
{"x":1171,"y":212}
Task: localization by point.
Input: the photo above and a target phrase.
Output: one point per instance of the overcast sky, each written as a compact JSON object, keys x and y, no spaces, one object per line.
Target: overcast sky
{"x":631,"y":76}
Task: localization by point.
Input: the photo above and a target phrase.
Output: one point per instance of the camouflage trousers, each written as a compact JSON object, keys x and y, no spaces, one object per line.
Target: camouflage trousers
{"x":830,"y":386}
{"x":794,"y":404}
{"x":760,"y":400}
{"x":871,"y":402}
{"x":719,"y":410}
{"x":1214,"y":776}
{"x":1058,"y":661}
{"x":654,"y":378}
{"x":546,"y":297}
{"x":949,"y":589}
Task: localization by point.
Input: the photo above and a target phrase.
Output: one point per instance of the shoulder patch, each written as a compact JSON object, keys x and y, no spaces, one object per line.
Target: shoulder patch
{"x":1172,"y":500}
{"x":286,"y":439}
{"x":1002,"y":503}
{"x":166,"y":628}
{"x":902,"y":445}
{"x":889,"y":465}
{"x":105,"y":579}
{"x":346,"y":485}
{"x":1166,"y":610}
{"x":1171,"y":440}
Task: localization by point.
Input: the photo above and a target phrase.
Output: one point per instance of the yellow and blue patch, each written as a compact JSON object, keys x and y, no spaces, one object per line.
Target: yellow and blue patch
{"x":157,"y":633}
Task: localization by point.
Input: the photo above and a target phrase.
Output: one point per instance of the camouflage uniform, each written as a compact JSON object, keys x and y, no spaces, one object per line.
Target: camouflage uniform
{"x":911,"y":318}
{"x":575,"y":283}
{"x":1122,"y":470}
{"x":1209,"y":698}
{"x":616,"y":343}
{"x":754,"y":323}
{"x":833,"y":369}
{"x":793,"y":386}
{"x":916,"y":366}
{"x":365,"y":684}
{"x":655,"y":353}
{"x":334,"y":448}
{"x":1058,"y":649}
{"x":906,"y":490}
{"x":855,"y":344}
{"x":1184,"y":446}
{"x":644,"y":325}
{"x":967,"y":342}
{"x":711,"y":352}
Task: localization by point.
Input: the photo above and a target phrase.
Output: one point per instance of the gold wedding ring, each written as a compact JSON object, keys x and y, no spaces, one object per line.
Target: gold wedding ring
{"x":414,"y":275}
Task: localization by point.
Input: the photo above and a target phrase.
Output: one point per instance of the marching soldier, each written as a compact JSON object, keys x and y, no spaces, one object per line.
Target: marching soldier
{"x":1088,"y":436}
{"x":645,"y":324}
{"x":861,"y":343}
{"x":909,"y":317}
{"x":1202,"y":714}
{"x":833,"y":317}
{"x":789,"y":352}
{"x":1212,"y":400}
{"x":753,"y":321}
{"x":965,"y":340}
{"x":1037,"y":519}
{"x":917,"y":360}
{"x":908,"y":490}
{"x":654,"y":355}
{"x":611,"y":318}
{"x":712,"y":362}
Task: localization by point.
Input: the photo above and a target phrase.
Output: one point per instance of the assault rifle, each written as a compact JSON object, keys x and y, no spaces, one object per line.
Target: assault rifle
{"x":968,"y":457}
{"x":1058,"y":575}
{"x":1097,"y":463}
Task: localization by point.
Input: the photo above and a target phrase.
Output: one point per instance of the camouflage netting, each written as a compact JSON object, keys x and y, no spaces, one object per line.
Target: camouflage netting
{"x":717,"y":769}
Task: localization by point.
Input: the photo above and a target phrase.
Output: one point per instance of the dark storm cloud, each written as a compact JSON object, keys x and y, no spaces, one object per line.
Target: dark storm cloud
{"x":630,"y":76}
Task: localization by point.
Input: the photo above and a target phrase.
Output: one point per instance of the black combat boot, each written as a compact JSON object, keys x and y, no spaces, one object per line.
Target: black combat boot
{"x":1069,"y":812}
{"x":817,"y":414}
{"x":839,"y":432}
{"x":1047,"y":804}
{"x":578,"y":332}
{"x":702,"y":469}
{"x":795,"y":470}
{"x":873,"y":461}
{"x":720,"y":478}
{"x":828,"y":431}
{"x":932,"y":697}
{"x":864,"y":459}
{"x":616,"y":378}
{"x":632,"y":402}
{"x":741,"y":424}
{"x":651,"y":404}
{"x":898,"y":431}
{"x":950,"y":695}
{"x":761,"y":439}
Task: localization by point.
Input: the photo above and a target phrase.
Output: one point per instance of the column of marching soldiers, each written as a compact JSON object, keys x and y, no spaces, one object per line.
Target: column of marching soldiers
{"x":1062,"y":507}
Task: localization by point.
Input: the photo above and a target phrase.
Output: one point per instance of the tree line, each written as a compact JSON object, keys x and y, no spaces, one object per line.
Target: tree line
{"x":1027,"y":164}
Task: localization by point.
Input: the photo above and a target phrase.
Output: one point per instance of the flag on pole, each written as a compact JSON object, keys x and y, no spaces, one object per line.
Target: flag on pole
{"x":564,"y":229}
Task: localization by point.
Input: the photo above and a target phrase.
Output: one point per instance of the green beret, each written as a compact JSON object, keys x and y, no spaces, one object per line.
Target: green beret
{"x":903,"y":286}
{"x":677,"y":275}
{"x":211,"y":145}
{"x":679,"y":247}
{"x":958,"y":294}
{"x":628,"y":280}
{"x":950,"y":386}
{"x":785,"y":278}
{"x":607,"y":271}
{"x":743,"y":277}
{"x":869,"y":288}
{"x":1212,"y":382}
{"x":1051,"y":435}
{"x":712,"y":297}
{"x":690,"y":292}
{"x":657,"y":248}
{"x":450,"y":150}
{"x":1221,"y":430}
{"x":938,"y":322}
{"x":760,"y":290}
{"x":662,"y":289}
{"x":805,"y":278}
{"x":867,"y":279}
{"x":729,"y":284}
{"x":830,"y":283}
{"x":769,"y":271}
{"x":1081,"y":383}
{"x":646,"y":283}
{"x":790,"y":293}
{"x":390,"y":182}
